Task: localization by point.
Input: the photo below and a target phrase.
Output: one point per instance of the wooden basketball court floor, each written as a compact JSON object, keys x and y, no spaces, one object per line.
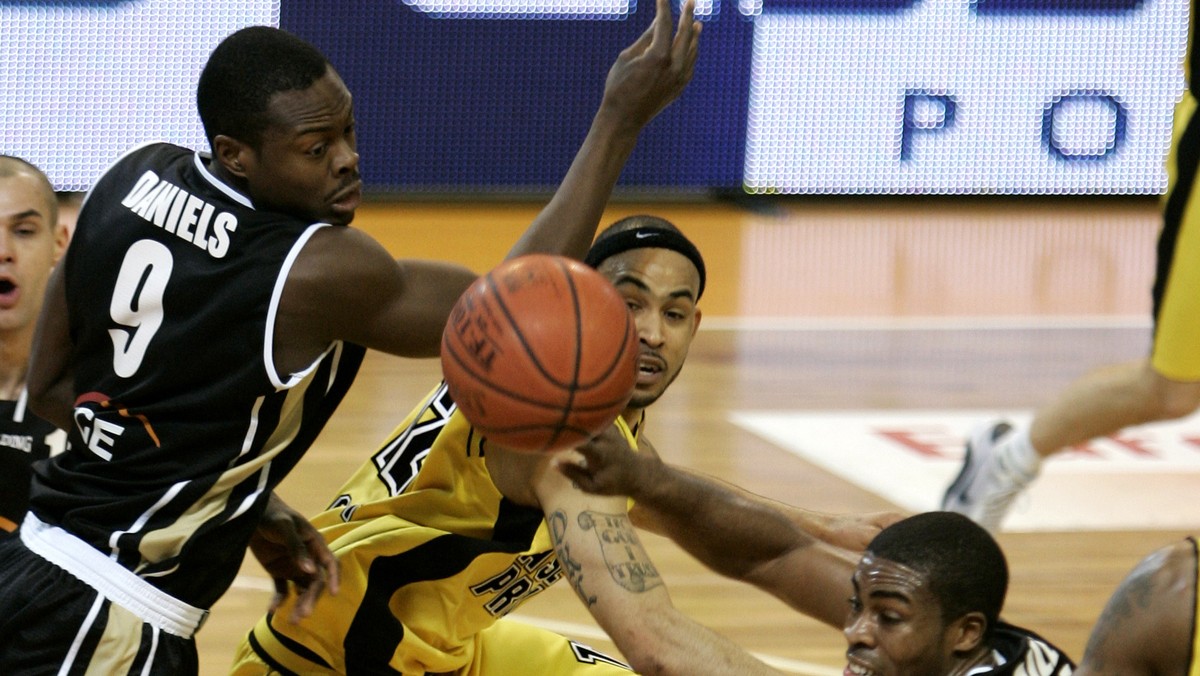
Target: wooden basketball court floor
{"x":814,"y":306}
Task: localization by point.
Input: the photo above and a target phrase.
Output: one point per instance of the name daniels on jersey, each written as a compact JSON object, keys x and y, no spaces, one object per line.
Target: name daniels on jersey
{"x":177,"y":211}
{"x":20,"y":442}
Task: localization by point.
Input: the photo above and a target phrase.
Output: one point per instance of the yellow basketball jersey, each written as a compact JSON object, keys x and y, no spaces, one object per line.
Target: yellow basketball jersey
{"x":431,"y":554}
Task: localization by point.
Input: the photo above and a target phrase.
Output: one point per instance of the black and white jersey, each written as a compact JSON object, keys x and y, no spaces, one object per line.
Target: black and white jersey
{"x":24,"y":438}
{"x":182,"y":424}
{"x":1024,"y":653}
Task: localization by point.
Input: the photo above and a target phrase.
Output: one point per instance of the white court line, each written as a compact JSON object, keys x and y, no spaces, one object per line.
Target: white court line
{"x":576,"y":631}
{"x":925,"y":323}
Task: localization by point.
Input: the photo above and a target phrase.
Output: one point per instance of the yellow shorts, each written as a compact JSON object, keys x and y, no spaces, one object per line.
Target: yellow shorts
{"x":507,"y":647}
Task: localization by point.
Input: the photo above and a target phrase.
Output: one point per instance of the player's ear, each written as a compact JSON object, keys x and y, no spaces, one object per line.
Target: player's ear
{"x":696,"y":321}
{"x":232,"y":154}
{"x":966,"y":633}
{"x":62,"y":235}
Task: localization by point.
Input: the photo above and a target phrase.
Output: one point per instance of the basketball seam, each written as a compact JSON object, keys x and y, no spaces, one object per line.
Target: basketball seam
{"x":565,"y":410}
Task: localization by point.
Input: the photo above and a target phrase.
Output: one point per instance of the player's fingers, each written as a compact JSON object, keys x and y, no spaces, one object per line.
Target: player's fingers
{"x":579,"y":476}
{"x":280,"y":595}
{"x":694,"y":45}
{"x":640,"y":44}
{"x":689,"y":63}
{"x":686,"y":32}
{"x":306,"y":599}
{"x":298,"y":545}
{"x":661,"y":27}
{"x":573,"y":456}
{"x":333,"y":572}
{"x":325,"y":564}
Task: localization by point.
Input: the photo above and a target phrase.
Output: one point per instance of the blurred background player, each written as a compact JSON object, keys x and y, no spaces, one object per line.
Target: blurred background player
{"x":925,"y":596}
{"x":1148,"y":627}
{"x":441,"y":534}
{"x":1002,"y":459}
{"x":206,"y":322}
{"x":32,"y":238}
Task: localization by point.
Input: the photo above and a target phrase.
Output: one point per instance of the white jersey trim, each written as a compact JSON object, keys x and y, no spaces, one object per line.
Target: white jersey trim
{"x":198,"y":158}
{"x":273,"y":311}
{"x":111,"y":580}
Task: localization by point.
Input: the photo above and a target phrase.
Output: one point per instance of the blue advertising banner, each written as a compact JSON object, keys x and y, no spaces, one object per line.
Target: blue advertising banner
{"x":790,"y":96}
{"x":478,"y":95}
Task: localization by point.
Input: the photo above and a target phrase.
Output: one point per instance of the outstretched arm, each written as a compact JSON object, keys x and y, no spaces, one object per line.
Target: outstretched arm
{"x":346,"y":286}
{"x":605,"y":563}
{"x":646,"y":77}
{"x":734,"y":532}
{"x":1146,"y":627}
{"x":851,"y":532}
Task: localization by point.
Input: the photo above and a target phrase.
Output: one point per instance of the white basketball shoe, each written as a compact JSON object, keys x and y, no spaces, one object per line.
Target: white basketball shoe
{"x":989,"y":482}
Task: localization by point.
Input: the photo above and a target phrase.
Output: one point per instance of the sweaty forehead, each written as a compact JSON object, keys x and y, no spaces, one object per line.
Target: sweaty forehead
{"x":662,"y":269}
{"x":874,"y":573}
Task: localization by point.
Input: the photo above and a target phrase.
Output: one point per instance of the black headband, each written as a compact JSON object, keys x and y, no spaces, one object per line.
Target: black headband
{"x":645,"y":238}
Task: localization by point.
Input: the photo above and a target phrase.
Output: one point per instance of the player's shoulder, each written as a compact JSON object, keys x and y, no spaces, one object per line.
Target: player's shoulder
{"x":343,"y":252}
{"x":1147,"y":624}
{"x":345,"y":238}
{"x":1162,"y":572}
{"x":1178,"y":559}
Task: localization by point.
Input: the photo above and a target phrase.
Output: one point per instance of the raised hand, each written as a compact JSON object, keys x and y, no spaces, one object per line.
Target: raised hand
{"x":653,"y":71}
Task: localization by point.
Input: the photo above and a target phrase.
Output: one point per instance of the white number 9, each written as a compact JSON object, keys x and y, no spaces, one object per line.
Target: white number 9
{"x":137,"y":303}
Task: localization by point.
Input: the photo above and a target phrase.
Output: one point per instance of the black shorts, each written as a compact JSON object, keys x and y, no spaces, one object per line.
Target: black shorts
{"x":49,"y":619}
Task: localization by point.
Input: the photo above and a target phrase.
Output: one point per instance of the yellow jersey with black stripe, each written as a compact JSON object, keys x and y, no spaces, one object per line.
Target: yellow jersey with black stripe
{"x":431,"y":555}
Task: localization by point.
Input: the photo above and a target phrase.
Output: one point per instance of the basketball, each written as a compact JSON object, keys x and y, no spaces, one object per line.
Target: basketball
{"x":540,"y":354}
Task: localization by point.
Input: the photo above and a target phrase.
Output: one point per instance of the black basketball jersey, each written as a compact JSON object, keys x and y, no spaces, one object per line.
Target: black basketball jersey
{"x":24,"y":438}
{"x":1024,"y":653}
{"x":182,"y":425}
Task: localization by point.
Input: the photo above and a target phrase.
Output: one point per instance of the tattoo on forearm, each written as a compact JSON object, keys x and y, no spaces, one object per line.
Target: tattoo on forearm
{"x":557,"y":521}
{"x":624,"y":555}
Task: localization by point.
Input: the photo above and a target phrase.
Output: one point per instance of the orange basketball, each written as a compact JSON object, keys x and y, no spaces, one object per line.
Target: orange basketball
{"x":540,"y":354}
